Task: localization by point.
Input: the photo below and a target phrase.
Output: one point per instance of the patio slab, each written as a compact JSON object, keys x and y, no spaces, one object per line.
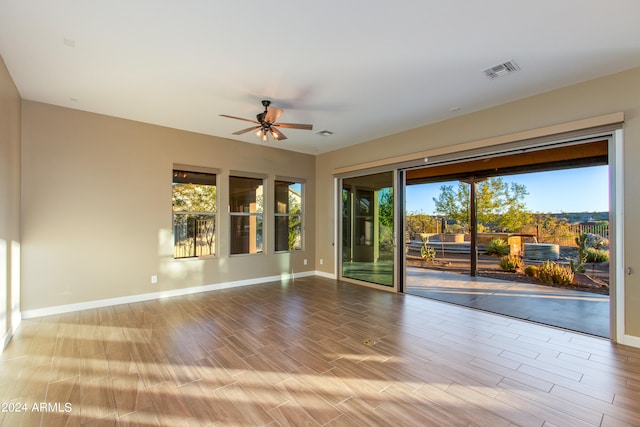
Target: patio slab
{"x":565,"y":308}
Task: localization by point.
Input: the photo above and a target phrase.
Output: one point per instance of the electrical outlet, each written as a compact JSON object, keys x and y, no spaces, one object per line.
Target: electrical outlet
{"x":305,"y":261}
{"x":321,"y":261}
{"x":154,"y":279}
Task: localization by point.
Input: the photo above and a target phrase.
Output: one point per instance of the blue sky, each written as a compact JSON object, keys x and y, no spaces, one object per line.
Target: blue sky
{"x":571,"y":190}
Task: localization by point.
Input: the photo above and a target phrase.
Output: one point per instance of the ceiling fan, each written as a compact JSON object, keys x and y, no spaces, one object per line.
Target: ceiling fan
{"x":266,"y":123}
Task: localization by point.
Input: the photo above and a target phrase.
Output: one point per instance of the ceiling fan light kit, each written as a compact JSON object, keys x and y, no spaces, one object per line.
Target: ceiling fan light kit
{"x":266,"y":123}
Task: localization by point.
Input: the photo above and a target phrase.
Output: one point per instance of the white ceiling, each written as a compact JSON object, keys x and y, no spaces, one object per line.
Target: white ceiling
{"x":361,"y":69}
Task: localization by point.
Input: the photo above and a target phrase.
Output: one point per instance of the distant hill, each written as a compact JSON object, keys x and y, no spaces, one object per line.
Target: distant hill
{"x":573,"y":217}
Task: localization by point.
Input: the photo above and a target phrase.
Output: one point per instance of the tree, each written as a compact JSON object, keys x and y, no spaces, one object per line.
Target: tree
{"x":453,"y":204}
{"x":514,"y":213}
{"x":385,"y":208}
{"x":194,"y":197}
{"x":500,"y":205}
{"x":295,"y":221}
{"x":418,"y":222}
{"x":385,"y":219}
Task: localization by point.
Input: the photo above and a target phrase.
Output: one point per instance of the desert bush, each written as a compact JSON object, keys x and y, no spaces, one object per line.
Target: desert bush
{"x":590,"y":251}
{"x":596,"y":241}
{"x":510,"y":263}
{"x":454,"y":228}
{"x":497,"y":247}
{"x":418,"y":223}
{"x":427,"y":252}
{"x":531,"y":271}
{"x":594,"y":255}
{"x":551,"y":229}
{"x":551,"y":272}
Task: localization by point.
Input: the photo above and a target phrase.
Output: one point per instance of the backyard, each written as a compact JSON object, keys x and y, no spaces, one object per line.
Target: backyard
{"x":528,"y":230}
{"x":454,"y":257}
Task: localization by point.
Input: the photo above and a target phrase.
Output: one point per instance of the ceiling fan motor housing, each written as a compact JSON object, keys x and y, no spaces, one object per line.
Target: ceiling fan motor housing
{"x":260,"y":117}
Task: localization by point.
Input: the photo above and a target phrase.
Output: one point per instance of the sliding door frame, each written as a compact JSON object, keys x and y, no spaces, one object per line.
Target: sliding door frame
{"x":614,"y":136}
{"x":617,"y":272}
{"x":398,"y":244}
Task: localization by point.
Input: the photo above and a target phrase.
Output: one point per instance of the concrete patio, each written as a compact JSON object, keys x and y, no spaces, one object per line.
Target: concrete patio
{"x":564,"y":308}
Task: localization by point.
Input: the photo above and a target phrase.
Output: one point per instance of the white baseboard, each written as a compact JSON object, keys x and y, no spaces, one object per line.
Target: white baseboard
{"x":5,"y":340}
{"x":8,"y":335}
{"x":67,"y":308}
{"x":630,"y":340}
{"x":325,"y":274}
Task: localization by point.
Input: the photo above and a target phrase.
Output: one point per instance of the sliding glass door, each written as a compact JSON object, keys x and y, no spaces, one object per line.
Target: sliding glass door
{"x":368,"y":231}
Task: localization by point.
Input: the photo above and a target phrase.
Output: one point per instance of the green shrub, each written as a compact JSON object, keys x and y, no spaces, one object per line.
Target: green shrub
{"x":550,"y":272}
{"x":594,"y":255}
{"x":427,"y":252}
{"x":531,"y":271}
{"x":510,"y":263}
{"x":497,"y":247}
{"x":583,"y":244}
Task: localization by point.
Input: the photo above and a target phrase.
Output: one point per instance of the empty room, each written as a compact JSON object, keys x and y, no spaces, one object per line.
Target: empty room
{"x":209,"y":214}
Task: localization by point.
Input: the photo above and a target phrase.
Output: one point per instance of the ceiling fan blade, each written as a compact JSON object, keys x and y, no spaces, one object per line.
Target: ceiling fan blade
{"x":240,"y":132}
{"x":239,"y":118}
{"x":279,"y":136}
{"x":272,"y":114}
{"x":295,"y":126}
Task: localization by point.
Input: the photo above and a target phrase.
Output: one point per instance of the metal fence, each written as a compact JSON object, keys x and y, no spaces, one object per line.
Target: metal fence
{"x":194,"y":234}
{"x":565,"y":235}
{"x":576,"y":230}
{"x":560,"y":233}
{"x":601,"y":230}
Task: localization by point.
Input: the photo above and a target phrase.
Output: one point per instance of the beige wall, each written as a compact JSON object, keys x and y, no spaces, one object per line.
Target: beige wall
{"x":96,"y":207}
{"x":619,"y":92}
{"x":9,"y":203}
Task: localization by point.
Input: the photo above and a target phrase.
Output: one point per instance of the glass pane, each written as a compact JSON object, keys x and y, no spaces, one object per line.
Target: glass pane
{"x":288,"y":233}
{"x":288,"y":197}
{"x":194,"y":235}
{"x":246,"y":234}
{"x":194,"y":207}
{"x":288,"y":210}
{"x":346,"y":222}
{"x":246,"y":195}
{"x":194,"y":198}
{"x":368,"y":228}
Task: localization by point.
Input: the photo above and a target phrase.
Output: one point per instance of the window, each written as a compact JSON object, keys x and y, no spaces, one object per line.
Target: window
{"x":246,"y":200}
{"x":288,"y":215}
{"x":194,"y":214}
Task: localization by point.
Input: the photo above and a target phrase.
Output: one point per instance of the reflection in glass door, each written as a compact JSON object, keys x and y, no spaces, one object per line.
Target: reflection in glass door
{"x":368,"y":229}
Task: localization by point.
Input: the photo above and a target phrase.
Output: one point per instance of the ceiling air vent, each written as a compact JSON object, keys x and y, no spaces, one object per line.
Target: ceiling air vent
{"x":501,"y":69}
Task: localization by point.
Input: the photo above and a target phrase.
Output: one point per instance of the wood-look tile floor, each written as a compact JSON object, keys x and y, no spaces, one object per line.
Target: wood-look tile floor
{"x":311,"y":352}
